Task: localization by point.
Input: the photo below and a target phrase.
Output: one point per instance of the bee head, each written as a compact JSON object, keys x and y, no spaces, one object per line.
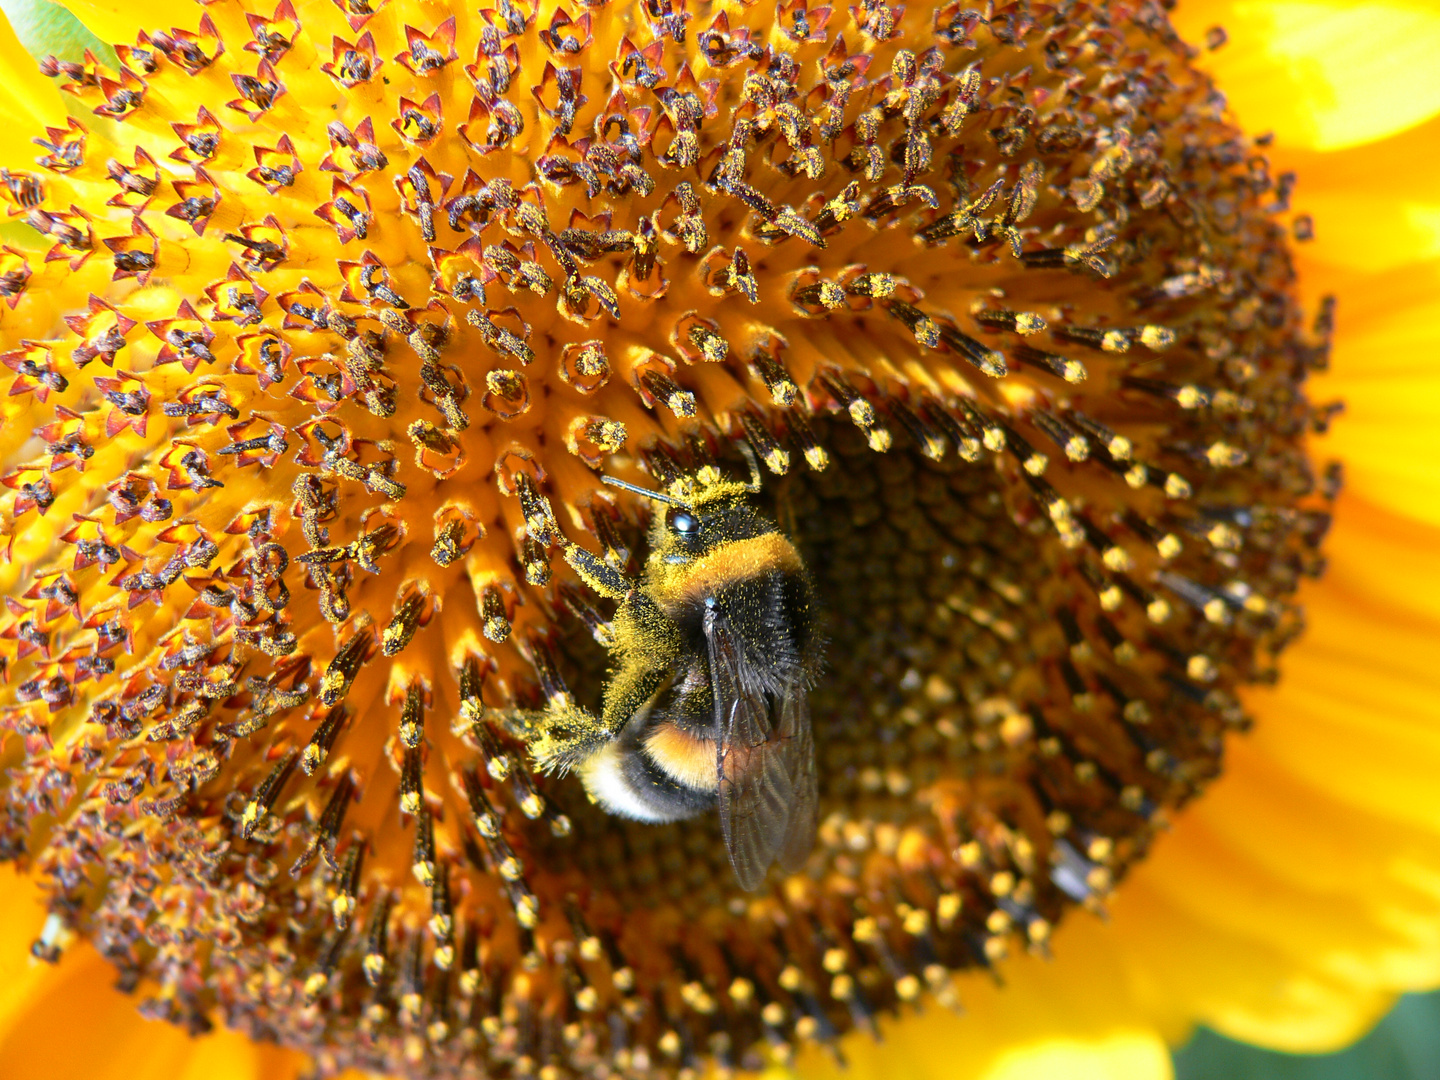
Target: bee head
{"x":702,"y":512}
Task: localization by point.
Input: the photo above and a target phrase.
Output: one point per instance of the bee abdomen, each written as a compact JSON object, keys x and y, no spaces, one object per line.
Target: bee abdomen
{"x":630,"y":784}
{"x":685,"y":758}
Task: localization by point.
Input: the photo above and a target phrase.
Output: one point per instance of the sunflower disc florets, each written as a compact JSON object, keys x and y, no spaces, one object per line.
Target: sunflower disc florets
{"x":331,"y":317}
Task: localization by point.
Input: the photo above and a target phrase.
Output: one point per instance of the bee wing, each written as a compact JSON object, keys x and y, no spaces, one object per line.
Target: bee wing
{"x":766,"y":771}
{"x":796,"y":734}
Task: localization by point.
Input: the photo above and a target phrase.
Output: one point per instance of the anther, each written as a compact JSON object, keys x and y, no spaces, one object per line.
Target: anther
{"x":662,"y":388}
{"x":540,"y":523}
{"x":925,"y":329}
{"x":500,"y":339}
{"x":1074,"y":444}
{"x":776,"y":458}
{"x":1174,"y":485}
{"x":822,"y":294}
{"x":1204,"y":600}
{"x":958,"y":429}
{"x":496,"y":621}
{"x":472,"y":976}
{"x":738,"y":276}
{"x":1156,"y":609}
{"x":712,"y":346}
{"x":1156,"y":338}
{"x":327,"y":830}
{"x":1121,"y":648}
{"x":992,"y":432}
{"x":347,"y":884}
{"x":1112,"y":340}
{"x":498,"y":763}
{"x":1187,"y":396}
{"x":803,"y":436}
{"x":327,"y":959}
{"x":860,"y":411}
{"x":536,"y":562}
{"x":1072,"y":371}
{"x":1166,"y":544}
{"x":1111,"y":554}
{"x":839,"y":209}
{"x":412,"y":767}
{"x":412,"y":716}
{"x":989,"y":361}
{"x":967,"y":217}
{"x":487,"y":819}
{"x":1106,"y":591}
{"x":1020,"y":322}
{"x":377,"y":939}
{"x":1116,"y":446}
{"x":442,"y":920}
{"x":930,"y":440}
{"x":579,"y":605}
{"x":403,"y":624}
{"x":266,"y":794}
{"x":422,"y":863}
{"x":341,"y":671}
{"x":783,"y":391}
{"x":527,"y":796}
{"x":448,"y":537}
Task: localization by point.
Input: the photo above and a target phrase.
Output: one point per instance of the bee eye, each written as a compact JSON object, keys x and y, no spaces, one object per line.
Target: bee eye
{"x":682,"y":522}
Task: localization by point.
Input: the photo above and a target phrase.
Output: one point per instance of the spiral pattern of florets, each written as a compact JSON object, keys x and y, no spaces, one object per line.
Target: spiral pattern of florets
{"x":338,"y":310}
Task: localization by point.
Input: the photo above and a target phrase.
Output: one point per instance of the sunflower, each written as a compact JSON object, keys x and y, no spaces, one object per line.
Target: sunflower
{"x":328,"y":320}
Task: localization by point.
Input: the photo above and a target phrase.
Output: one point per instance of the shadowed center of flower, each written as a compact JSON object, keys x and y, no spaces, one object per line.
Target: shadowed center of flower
{"x":323,"y":378}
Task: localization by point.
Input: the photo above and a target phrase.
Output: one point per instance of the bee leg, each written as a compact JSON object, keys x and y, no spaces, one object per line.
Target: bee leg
{"x":597,"y":573}
{"x":563,"y":735}
{"x":566,"y":735}
{"x":522,"y":724}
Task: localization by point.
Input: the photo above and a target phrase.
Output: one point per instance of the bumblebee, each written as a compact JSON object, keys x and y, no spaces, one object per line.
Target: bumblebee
{"x":714,"y":650}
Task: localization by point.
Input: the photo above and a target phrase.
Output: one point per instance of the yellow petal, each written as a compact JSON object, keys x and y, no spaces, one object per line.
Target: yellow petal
{"x":28,"y":100}
{"x":1074,"y":1016}
{"x":1355,"y":713}
{"x":1126,"y":1055}
{"x":66,"y":1021}
{"x":1307,"y":888}
{"x":1375,"y":207}
{"x":21,"y":918}
{"x":1290,"y":903}
{"x":1384,"y":372}
{"x":228,"y":1055}
{"x":1365,"y":549}
{"x":1240,"y":985}
{"x":1324,"y":74}
{"x":1377,"y":215}
{"x":75,"y":1027}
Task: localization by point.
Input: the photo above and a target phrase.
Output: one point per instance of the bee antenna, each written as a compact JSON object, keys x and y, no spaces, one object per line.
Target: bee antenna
{"x":657,"y":496}
{"x":749,"y":455}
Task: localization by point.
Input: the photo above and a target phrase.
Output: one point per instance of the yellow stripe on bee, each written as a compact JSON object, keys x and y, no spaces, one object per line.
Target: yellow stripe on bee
{"x":738,"y":560}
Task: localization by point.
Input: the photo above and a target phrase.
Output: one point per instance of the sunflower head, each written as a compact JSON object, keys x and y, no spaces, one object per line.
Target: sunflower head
{"x":327,"y":324}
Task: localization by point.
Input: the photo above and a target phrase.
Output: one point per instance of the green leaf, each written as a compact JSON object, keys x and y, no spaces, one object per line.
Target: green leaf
{"x":47,"y":29}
